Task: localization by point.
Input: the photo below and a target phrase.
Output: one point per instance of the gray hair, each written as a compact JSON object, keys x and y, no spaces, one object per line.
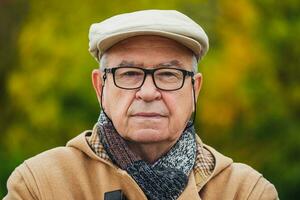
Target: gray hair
{"x":103,"y":62}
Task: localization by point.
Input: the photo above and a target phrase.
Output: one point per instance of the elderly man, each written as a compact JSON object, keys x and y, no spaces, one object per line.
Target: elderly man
{"x":144,"y":145}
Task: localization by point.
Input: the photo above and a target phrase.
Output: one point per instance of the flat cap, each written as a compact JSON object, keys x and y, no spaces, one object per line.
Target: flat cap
{"x":166,"y":23}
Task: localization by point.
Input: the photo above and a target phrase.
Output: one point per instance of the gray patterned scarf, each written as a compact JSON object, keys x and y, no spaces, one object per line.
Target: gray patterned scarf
{"x":167,"y":177}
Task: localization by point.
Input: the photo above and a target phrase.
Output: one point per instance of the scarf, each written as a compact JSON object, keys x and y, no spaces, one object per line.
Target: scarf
{"x":162,"y":180}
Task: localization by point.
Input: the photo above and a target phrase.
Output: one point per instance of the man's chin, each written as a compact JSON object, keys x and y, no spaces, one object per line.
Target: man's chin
{"x":146,"y":136}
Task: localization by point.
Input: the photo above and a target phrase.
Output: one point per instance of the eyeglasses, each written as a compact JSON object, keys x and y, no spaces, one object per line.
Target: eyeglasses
{"x":129,"y":78}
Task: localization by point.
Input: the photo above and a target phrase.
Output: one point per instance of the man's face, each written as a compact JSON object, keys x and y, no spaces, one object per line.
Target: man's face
{"x":148,"y":115}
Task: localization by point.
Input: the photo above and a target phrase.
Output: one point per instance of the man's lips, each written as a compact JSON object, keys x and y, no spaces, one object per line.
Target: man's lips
{"x":148,"y":115}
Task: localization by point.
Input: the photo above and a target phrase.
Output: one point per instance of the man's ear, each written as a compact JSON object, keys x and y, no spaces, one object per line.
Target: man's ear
{"x":197,"y":84}
{"x":97,"y":82}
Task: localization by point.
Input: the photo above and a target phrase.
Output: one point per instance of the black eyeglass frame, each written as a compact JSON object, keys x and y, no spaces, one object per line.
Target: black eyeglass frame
{"x":151,"y":72}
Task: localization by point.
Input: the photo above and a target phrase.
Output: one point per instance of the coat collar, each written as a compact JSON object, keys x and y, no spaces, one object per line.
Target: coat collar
{"x":197,"y":179}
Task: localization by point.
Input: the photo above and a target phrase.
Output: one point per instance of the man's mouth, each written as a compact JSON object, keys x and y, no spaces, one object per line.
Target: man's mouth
{"x":148,"y":115}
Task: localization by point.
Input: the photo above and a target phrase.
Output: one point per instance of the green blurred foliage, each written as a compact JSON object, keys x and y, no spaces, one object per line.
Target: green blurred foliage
{"x":249,"y":105}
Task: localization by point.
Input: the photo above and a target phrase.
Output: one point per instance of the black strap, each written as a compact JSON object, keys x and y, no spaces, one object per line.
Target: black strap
{"x":114,"y":195}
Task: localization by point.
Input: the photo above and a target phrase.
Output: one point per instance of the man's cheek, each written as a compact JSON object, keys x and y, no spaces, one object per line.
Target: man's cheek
{"x":171,"y":102}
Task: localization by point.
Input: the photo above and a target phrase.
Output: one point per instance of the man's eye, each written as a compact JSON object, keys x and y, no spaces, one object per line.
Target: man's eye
{"x":168,"y":74}
{"x":129,"y":74}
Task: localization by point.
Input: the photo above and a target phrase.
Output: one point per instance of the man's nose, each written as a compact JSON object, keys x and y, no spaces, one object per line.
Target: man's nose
{"x":148,"y":91}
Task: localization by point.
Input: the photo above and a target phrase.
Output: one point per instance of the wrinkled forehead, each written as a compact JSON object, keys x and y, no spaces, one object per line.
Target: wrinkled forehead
{"x":148,"y":50}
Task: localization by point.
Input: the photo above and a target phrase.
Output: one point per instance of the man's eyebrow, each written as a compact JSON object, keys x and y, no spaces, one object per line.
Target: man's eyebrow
{"x":126,"y":63}
{"x":174,"y":63}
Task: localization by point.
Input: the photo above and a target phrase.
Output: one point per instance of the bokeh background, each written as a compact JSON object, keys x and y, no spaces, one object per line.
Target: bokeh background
{"x":249,"y":107}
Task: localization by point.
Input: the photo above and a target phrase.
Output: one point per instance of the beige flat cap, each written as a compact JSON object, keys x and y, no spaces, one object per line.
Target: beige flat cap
{"x":167,"y":23}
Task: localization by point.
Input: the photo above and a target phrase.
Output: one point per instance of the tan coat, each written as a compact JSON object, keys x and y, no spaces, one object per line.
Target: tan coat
{"x":76,"y":172}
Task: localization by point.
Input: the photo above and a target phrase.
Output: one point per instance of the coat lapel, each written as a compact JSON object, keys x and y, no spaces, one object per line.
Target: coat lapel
{"x":190,"y":191}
